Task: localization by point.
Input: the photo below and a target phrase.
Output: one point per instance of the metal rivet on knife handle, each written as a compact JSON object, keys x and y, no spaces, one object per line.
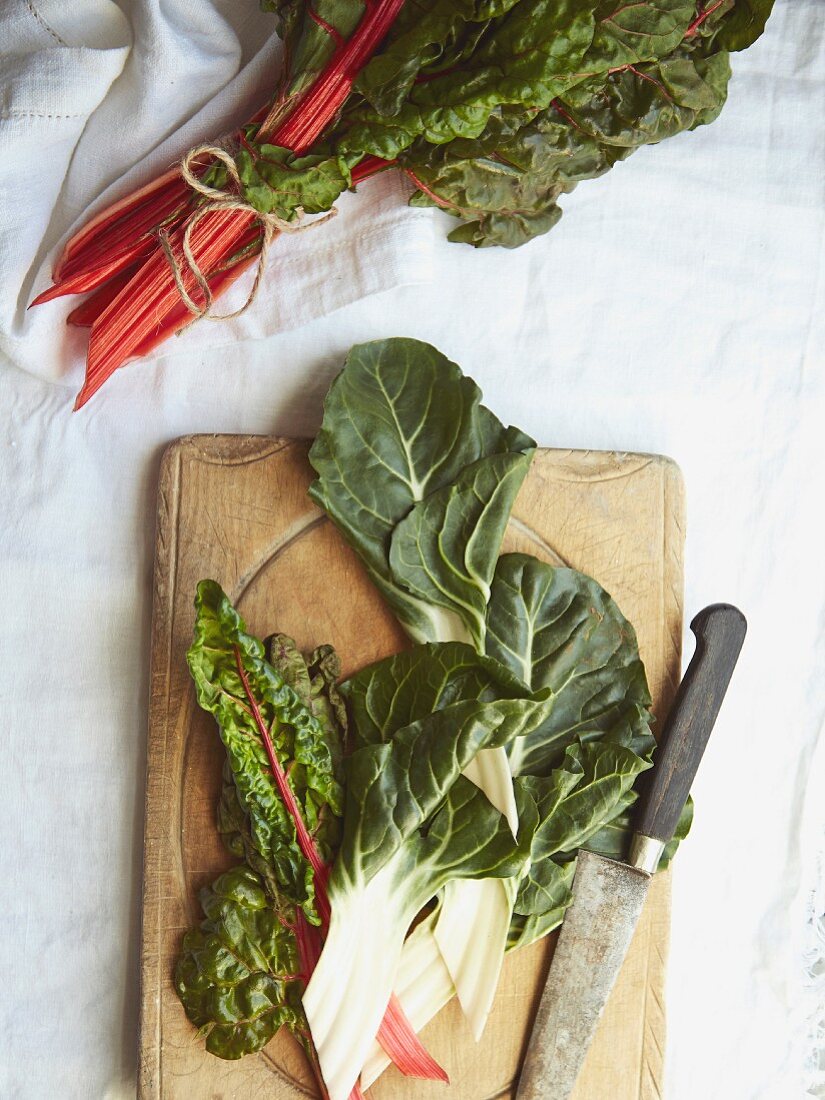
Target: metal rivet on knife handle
{"x":720,"y":631}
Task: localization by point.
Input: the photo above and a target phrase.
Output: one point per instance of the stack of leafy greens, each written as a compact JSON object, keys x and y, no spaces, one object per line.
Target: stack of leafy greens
{"x":496,"y":107}
{"x":481,"y":759}
{"x":493,"y":108}
{"x":282,"y":720}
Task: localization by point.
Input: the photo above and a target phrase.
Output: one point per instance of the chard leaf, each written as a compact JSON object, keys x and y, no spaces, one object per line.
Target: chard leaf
{"x":557,"y":880}
{"x":589,"y":789}
{"x":275,"y":180}
{"x":548,"y":887}
{"x":236,"y":973}
{"x":568,"y":809}
{"x":240,"y":975}
{"x":530,"y":53}
{"x":401,"y":426}
{"x":650,"y":70}
{"x":425,"y":35}
{"x":449,"y":71}
{"x":308,"y":41}
{"x":745,"y":24}
{"x":558,"y":629}
{"x":235,"y":831}
{"x":314,"y":679}
{"x":408,"y":686}
{"x":627,"y":34}
{"x":233,"y":682}
{"x":393,"y":788}
{"x":442,"y":548}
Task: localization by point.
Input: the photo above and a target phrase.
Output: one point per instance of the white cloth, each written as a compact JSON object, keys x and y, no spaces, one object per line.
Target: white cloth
{"x":679,"y":307}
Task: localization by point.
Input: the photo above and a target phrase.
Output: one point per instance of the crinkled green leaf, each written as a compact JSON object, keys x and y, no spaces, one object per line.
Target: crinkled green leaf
{"x":314,"y":679}
{"x":298,"y":738}
{"x":401,"y":425}
{"x":235,"y":831}
{"x":592,"y":786}
{"x":588,"y":789}
{"x":651,"y":102}
{"x":274,"y":180}
{"x":629,"y":33}
{"x":557,"y":884}
{"x":427,"y":35}
{"x":557,"y":628}
{"x":236,"y":975}
{"x":525,"y":57}
{"x":504,"y":185}
{"x":612,"y":76}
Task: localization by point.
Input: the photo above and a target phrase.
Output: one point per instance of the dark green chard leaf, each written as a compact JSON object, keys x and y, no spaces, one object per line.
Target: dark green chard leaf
{"x":593,"y":785}
{"x":744,"y":25}
{"x":236,"y":832}
{"x":404,"y":441}
{"x":557,"y":879}
{"x":441,"y":550}
{"x":233,"y":681}
{"x":627,"y":34}
{"x":554,"y":877}
{"x":525,"y":57}
{"x":647,"y":71}
{"x":236,"y":975}
{"x":399,"y":690}
{"x":588,"y":789}
{"x":558,"y":629}
{"x":308,"y":32}
{"x":394,"y":787}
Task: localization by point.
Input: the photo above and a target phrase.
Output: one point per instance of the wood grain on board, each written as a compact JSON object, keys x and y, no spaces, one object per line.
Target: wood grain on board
{"x":234,"y":508}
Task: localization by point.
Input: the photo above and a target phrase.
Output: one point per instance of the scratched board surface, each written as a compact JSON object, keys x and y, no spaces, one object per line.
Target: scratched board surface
{"x":235,"y":508}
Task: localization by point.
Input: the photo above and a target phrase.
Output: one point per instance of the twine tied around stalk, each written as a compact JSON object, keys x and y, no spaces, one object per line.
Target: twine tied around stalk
{"x":219,"y":201}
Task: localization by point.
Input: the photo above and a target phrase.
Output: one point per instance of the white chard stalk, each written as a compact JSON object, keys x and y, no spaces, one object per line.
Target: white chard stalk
{"x":349,"y":990}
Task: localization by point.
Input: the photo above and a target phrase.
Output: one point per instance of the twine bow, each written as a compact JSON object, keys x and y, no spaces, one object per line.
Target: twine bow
{"x":220,"y":201}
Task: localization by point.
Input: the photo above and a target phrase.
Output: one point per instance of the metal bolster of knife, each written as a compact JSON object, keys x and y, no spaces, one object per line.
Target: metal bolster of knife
{"x":645,"y":853}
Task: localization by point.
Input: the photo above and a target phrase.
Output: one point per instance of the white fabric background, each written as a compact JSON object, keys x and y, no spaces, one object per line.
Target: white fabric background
{"x":677,"y":308}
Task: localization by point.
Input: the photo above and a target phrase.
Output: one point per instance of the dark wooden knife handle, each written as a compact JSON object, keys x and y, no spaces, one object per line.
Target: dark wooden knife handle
{"x":720,"y":631}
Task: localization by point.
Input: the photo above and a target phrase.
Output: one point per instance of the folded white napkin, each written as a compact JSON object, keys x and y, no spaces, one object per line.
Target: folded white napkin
{"x":96,"y":99}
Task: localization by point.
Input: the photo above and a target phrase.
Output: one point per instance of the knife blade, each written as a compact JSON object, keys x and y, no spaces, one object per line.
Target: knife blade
{"x":608,"y":895}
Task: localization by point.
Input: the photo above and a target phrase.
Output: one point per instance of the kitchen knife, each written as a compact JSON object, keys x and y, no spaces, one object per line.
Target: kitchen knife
{"x":608,"y":895}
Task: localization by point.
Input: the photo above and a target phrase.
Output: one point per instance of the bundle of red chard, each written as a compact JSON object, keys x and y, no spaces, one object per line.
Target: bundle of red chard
{"x":493,"y":108}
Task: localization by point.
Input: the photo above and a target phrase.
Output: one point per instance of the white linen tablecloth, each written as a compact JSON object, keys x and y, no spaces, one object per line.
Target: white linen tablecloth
{"x":678,"y":307}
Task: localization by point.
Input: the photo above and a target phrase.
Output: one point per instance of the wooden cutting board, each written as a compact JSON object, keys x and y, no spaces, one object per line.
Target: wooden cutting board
{"x":234,"y":508}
